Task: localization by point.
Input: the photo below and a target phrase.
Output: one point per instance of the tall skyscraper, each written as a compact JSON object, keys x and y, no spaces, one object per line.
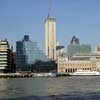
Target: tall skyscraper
{"x":50,"y":38}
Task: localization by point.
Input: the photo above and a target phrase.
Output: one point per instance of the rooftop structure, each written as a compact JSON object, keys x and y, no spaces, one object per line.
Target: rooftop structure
{"x":86,"y":56}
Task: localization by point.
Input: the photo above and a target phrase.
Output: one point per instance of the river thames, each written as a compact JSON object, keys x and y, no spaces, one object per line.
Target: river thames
{"x":61,"y":88}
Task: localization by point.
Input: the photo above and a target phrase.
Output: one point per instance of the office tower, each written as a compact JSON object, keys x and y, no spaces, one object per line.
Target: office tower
{"x":74,"y":40}
{"x":50,"y":38}
{"x":5,"y":57}
{"x":27,"y":53}
{"x":75,"y":47}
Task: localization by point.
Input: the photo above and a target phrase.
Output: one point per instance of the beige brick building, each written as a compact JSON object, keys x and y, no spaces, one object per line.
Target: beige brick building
{"x":68,"y":66}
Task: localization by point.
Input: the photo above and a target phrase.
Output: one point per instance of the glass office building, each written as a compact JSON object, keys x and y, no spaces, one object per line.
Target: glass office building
{"x":27,"y":53}
{"x":77,"y":49}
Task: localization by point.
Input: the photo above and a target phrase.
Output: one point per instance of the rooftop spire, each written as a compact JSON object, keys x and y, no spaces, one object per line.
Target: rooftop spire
{"x":49,"y":8}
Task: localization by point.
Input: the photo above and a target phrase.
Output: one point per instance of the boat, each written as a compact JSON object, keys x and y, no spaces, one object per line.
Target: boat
{"x":85,"y":72}
{"x":52,"y":74}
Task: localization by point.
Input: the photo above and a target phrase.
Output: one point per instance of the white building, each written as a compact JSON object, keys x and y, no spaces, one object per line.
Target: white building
{"x":50,"y":38}
{"x":5,"y":61}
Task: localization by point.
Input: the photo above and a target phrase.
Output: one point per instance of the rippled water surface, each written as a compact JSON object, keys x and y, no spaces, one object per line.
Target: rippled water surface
{"x":61,"y":88}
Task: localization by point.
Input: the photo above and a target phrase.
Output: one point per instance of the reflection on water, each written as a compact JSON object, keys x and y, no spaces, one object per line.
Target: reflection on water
{"x":61,"y":88}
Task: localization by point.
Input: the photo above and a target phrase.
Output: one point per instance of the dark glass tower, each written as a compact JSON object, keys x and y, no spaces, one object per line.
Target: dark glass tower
{"x":74,"y":40}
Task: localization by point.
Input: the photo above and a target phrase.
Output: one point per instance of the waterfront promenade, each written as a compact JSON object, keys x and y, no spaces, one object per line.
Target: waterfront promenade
{"x":26,"y":75}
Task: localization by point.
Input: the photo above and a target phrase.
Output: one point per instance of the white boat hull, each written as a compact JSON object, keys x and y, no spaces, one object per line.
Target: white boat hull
{"x":85,"y":73}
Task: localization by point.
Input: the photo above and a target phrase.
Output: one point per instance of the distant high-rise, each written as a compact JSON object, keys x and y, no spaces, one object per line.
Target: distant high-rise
{"x":75,"y":47}
{"x":74,"y":40}
{"x":50,"y":38}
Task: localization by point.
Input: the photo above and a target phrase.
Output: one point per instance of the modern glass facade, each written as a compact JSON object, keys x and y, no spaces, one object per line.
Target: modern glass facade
{"x":77,"y":48}
{"x":27,"y":53}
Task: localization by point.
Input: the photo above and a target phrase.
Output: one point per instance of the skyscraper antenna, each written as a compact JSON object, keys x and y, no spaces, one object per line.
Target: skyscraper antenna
{"x":49,"y":8}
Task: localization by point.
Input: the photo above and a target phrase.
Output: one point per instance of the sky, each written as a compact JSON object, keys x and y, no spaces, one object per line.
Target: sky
{"x":73,"y":17}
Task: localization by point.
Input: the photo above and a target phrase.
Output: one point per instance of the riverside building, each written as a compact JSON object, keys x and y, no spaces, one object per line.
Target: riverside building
{"x":83,"y":61}
{"x":69,"y":66}
{"x":27,"y":53}
{"x":5,"y":57}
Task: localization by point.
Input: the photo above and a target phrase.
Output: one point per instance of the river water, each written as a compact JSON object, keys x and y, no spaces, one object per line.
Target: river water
{"x":61,"y":88}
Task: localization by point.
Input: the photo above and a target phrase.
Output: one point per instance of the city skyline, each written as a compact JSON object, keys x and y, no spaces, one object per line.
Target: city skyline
{"x":80,"y":18}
